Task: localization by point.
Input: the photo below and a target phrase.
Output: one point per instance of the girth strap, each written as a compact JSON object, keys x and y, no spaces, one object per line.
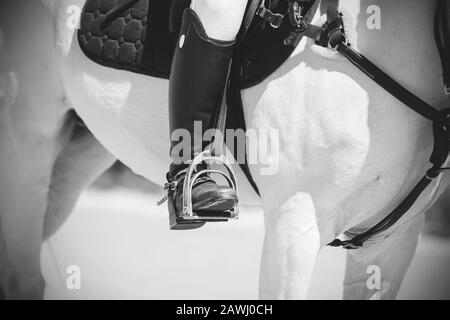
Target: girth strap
{"x":438,"y":158}
{"x":389,"y":220}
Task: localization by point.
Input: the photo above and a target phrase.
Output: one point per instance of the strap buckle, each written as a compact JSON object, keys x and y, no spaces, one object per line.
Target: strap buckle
{"x":347,"y":244}
{"x":447,"y":90}
{"x":336,"y":34}
{"x":275,"y":19}
{"x":343,"y":39}
{"x":296,"y":17}
{"x":170,"y":188}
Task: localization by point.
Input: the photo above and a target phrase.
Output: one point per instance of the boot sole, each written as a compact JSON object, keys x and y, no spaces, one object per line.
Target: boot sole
{"x":219,"y":204}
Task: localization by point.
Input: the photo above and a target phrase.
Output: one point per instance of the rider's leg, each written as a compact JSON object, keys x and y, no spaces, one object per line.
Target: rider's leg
{"x":220,"y":18}
{"x":197,"y":81}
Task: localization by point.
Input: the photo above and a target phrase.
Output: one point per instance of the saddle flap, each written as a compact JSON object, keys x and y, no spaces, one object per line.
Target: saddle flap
{"x":176,"y":14}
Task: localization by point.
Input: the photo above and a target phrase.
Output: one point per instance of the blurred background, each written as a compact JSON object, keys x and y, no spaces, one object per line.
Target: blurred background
{"x":125,"y":250}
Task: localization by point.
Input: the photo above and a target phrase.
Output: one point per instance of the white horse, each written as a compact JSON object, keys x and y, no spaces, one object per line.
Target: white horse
{"x":349,"y":152}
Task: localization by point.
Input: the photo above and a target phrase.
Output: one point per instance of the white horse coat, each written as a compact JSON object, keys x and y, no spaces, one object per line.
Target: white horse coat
{"x":348,"y":151}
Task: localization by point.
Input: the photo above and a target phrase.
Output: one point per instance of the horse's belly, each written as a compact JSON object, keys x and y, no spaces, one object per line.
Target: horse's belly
{"x":126,"y":112}
{"x":343,"y":139}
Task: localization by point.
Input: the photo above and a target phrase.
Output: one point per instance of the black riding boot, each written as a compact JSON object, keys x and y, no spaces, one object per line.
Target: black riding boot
{"x":197,"y":81}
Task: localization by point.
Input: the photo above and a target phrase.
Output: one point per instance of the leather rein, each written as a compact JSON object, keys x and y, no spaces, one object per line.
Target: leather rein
{"x":332,"y":35}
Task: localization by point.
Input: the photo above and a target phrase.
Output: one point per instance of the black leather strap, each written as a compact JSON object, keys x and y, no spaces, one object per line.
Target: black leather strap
{"x":386,"y":82}
{"x":442,"y":36}
{"x":438,"y":158}
{"x":176,"y":16}
{"x":390,"y":219}
{"x":249,"y":16}
{"x":332,"y":10}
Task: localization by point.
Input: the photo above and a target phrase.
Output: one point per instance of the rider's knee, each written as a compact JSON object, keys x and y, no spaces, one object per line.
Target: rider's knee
{"x":221,"y":18}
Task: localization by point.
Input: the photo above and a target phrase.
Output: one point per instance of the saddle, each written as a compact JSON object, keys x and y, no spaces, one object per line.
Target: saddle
{"x":139,"y":36}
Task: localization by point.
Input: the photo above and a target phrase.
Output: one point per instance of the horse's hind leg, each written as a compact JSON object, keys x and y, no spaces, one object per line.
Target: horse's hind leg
{"x":26,"y":159}
{"x":376,"y":272}
{"x":24,"y":183}
{"x":79,"y":163}
{"x":32,"y":114}
{"x":290,"y":248}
